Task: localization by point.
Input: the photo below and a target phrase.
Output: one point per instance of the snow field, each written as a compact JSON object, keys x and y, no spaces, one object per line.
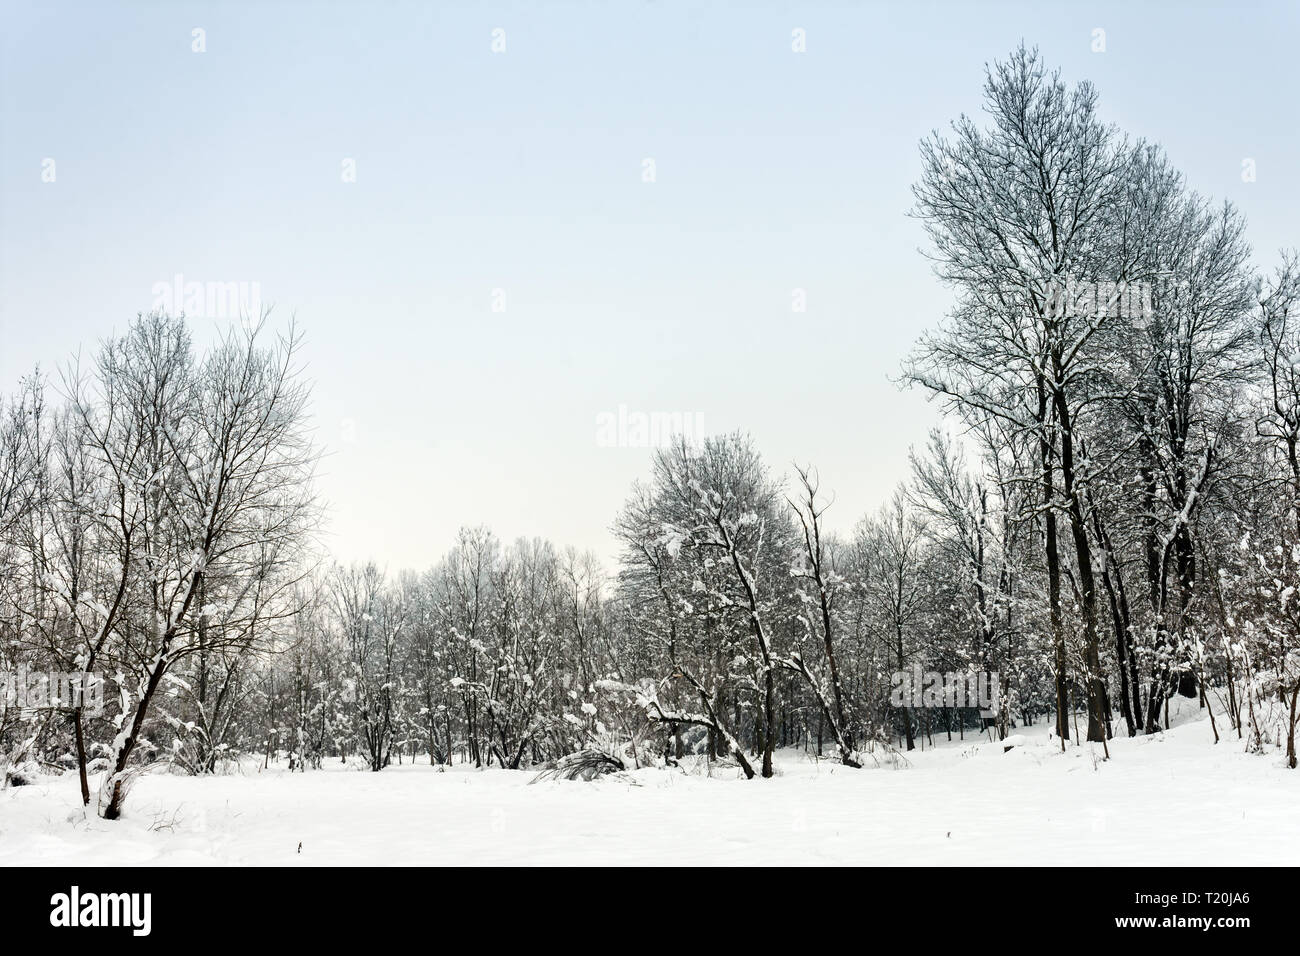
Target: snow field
{"x":1171,"y":799}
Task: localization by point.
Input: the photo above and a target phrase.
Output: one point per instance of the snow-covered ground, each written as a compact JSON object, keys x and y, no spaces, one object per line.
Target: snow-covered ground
{"x":1170,"y":799}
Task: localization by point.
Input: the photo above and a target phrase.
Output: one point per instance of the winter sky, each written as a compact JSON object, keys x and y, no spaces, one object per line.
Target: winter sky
{"x":500,"y":272}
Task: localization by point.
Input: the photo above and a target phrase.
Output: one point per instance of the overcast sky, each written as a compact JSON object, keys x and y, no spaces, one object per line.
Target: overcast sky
{"x":500,"y":272}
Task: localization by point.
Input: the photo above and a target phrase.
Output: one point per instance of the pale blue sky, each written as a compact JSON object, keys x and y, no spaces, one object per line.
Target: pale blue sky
{"x":522,"y":171}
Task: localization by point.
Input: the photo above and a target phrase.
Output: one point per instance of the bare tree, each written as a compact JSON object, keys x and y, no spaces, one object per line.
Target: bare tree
{"x":815,"y":566}
{"x":212,"y":459}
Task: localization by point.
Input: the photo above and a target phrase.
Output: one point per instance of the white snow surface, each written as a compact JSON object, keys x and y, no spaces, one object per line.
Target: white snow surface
{"x":1170,"y":799}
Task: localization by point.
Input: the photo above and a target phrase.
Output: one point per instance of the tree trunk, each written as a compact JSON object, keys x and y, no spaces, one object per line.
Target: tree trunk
{"x":1087,"y":586}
